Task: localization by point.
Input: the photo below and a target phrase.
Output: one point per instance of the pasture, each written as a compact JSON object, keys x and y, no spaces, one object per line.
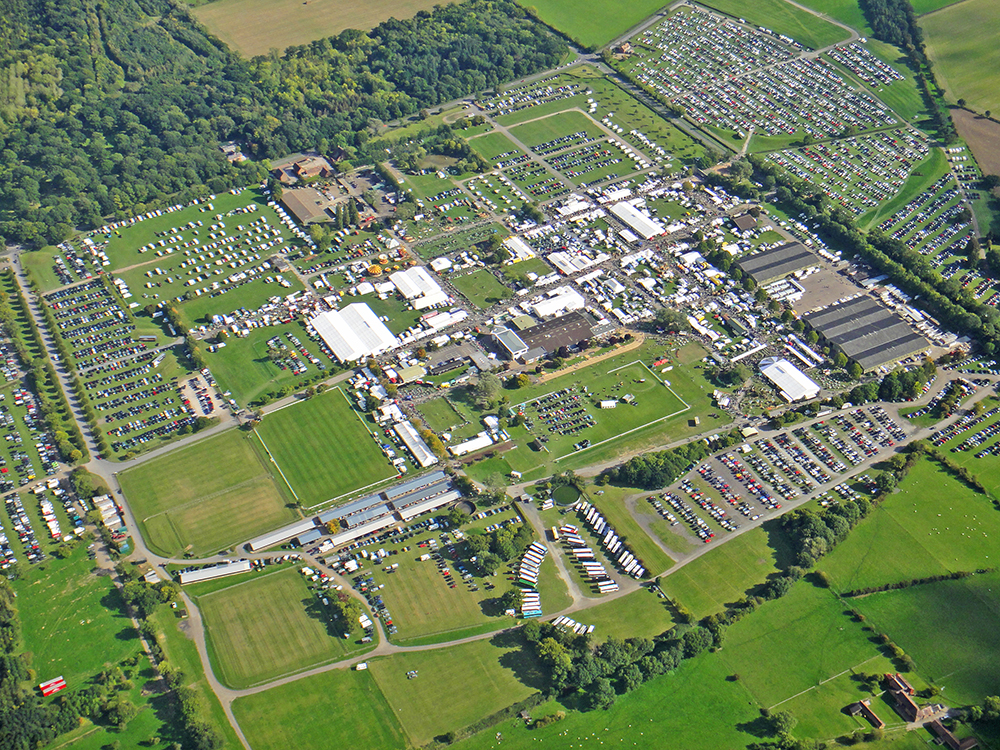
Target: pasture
{"x":322,"y":449}
{"x":948,"y":628}
{"x":640,"y":614}
{"x":601,"y":23}
{"x":205,"y":497}
{"x":958,"y":40}
{"x":339,"y":708}
{"x":933,"y":525}
{"x":481,"y":288}
{"x":723,"y":574}
{"x":783,"y":18}
{"x":255,"y":27}
{"x":455,"y":686}
{"x":268,"y":627}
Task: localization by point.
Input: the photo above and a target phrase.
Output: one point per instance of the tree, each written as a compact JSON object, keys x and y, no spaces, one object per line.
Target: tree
{"x":672,"y":320}
{"x":696,"y":640}
{"x":600,"y":694}
{"x":486,"y":391}
{"x":512,"y":598}
{"x":854,"y":371}
{"x":840,"y":360}
{"x":783,"y":722}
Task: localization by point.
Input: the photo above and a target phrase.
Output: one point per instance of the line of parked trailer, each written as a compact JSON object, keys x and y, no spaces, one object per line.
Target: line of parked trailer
{"x":567,"y":623}
{"x":586,"y":559}
{"x":612,"y":544}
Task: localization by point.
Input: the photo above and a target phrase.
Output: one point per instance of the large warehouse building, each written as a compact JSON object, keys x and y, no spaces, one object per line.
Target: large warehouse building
{"x":354,"y":333}
{"x":867,"y":332}
{"x":778,"y":262}
{"x":793,"y":384}
{"x":643,"y":225}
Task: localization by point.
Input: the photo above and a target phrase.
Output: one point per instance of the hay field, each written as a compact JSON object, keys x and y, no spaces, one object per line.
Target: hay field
{"x":205,"y":497}
{"x":267,"y":627}
{"x":960,"y":40}
{"x":255,"y":27}
{"x":323,"y":449}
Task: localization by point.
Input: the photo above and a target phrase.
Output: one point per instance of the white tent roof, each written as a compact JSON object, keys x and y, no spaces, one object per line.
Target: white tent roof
{"x":414,"y":282}
{"x":560,"y":299}
{"x":644,"y":225}
{"x":794,"y":384}
{"x":354,"y":332}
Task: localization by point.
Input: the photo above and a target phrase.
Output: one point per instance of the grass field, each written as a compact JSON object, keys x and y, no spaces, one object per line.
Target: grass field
{"x":481,"y":288}
{"x":39,"y":265}
{"x":456,"y":686}
{"x":640,"y":614}
{"x":268,"y":627}
{"x":206,"y":496}
{"x":933,"y":525}
{"x":549,"y":128}
{"x":492,"y":145}
{"x":845,"y":11}
{"x":334,"y":709}
{"x":440,"y":415}
{"x":780,"y":17}
{"x":958,"y":41}
{"x":612,"y":505}
{"x":72,"y":622}
{"x":949,"y":628}
{"x":723,"y":574}
{"x":600,"y":24}
{"x":323,"y":449}
{"x":277,"y":25}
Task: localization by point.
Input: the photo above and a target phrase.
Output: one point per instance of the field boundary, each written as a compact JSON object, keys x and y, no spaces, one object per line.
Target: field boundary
{"x":278,"y":467}
{"x":822,"y":682}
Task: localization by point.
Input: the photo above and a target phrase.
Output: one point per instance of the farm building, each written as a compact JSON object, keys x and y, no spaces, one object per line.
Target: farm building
{"x":567,"y":330}
{"x":354,"y":333}
{"x":793,"y":384}
{"x":745,"y":222}
{"x":509,"y":343}
{"x":771,"y":265}
{"x":867,"y":332}
{"x":643,"y":225}
{"x":308,"y":205}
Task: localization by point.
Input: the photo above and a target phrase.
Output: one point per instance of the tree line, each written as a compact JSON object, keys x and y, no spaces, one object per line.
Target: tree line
{"x":127,"y":100}
{"x":897,"y":585}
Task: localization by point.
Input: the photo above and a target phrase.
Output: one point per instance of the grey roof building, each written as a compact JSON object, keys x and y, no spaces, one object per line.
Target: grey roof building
{"x":776,"y":263}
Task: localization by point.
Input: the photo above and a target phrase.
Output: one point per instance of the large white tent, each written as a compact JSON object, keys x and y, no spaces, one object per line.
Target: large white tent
{"x":419,"y":287}
{"x":793,"y":384}
{"x":642,"y":224}
{"x":354,"y":333}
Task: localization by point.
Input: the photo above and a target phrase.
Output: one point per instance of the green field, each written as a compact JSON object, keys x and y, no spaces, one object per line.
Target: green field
{"x":640,"y":614}
{"x":255,"y":27}
{"x":481,"y":288}
{"x":612,"y":505}
{"x":492,"y":145}
{"x":456,"y":686}
{"x":600,"y":24}
{"x":782,"y":18}
{"x":958,"y":40}
{"x":923,"y":176}
{"x":845,"y":11}
{"x":723,"y":574}
{"x":244,"y":370}
{"x":933,"y":525}
{"x":440,"y":415}
{"x":549,"y":128}
{"x":322,"y":448}
{"x":72,"y":621}
{"x":268,"y":627}
{"x":39,"y":265}
{"x":948,"y":628}
{"x":206,"y":496}
{"x":334,"y":709}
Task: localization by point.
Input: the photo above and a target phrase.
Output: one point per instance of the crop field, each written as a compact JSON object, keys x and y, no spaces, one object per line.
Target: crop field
{"x":72,"y":621}
{"x":723,"y":574}
{"x":206,"y":496}
{"x":933,"y":525}
{"x":982,"y":135}
{"x":277,"y":25}
{"x":455,"y":686}
{"x":783,"y":18}
{"x":597,"y":27}
{"x":268,"y":627}
{"x":339,"y":708}
{"x":322,"y":448}
{"x":958,"y":41}
{"x":948,"y":628}
{"x":612,"y":504}
{"x":244,"y":369}
{"x":481,"y":288}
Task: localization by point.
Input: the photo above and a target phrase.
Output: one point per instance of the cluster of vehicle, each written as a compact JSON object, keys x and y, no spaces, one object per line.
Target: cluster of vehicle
{"x":698,"y":525}
{"x":705,"y":502}
{"x":854,"y":433}
{"x":895,"y":431}
{"x":776,"y":459}
{"x":755,"y":487}
{"x":203,"y":395}
{"x":72,"y":269}
{"x":964,"y":424}
{"x":831,"y":434}
{"x":803,"y":459}
{"x":365,"y":584}
{"x":582,"y":161}
{"x":563,"y":412}
{"x":728,"y":495}
{"x":22,"y":527}
{"x":963,"y":388}
{"x":824,"y":454}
